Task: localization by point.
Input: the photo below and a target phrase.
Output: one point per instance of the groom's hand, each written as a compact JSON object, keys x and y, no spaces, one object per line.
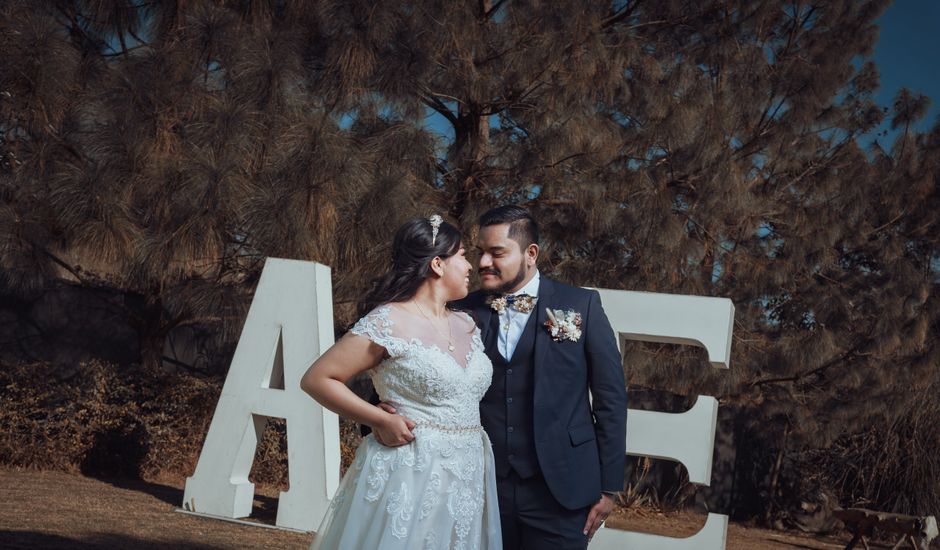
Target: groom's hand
{"x":597,"y":515}
{"x":394,"y":430}
{"x":390,"y":410}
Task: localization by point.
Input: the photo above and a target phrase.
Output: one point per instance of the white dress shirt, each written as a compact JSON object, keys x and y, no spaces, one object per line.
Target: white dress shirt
{"x":512,"y":322}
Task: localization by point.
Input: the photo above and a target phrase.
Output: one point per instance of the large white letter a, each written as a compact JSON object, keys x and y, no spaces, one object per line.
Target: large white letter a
{"x":289,"y":324}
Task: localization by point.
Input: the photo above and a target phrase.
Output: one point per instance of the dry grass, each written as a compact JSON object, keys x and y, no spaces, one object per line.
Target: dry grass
{"x":117,"y":426}
{"x":58,"y":510}
{"x":106,"y":420}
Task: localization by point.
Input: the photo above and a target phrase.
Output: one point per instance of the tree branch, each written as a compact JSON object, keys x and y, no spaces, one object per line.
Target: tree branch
{"x":812,"y":372}
{"x":619,"y":16}
{"x":487,"y":14}
{"x":434,"y":103}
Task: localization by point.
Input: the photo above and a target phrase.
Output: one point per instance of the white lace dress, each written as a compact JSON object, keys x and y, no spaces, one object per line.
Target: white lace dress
{"x":439,"y":491}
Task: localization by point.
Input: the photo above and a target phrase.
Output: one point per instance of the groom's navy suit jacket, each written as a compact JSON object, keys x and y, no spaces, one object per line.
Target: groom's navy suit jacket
{"x":578,"y":447}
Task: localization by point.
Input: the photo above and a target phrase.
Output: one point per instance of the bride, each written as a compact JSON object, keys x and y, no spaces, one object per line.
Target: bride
{"x":424,"y":478}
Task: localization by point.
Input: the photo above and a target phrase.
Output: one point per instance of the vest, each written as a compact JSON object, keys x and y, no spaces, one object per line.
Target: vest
{"x":507,"y":409}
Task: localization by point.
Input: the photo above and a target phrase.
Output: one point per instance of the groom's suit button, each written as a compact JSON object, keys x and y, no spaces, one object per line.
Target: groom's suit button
{"x":509,"y":400}
{"x":509,"y":429}
{"x":508,"y":371}
{"x":512,"y":457}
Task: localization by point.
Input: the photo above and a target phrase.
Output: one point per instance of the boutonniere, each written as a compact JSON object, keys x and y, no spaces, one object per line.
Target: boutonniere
{"x":563,"y":325}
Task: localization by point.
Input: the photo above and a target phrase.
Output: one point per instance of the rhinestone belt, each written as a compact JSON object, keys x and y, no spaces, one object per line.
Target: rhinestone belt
{"x":449,"y":429}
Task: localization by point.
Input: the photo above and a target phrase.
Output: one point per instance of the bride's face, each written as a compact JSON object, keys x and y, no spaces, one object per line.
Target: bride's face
{"x":456,"y":276}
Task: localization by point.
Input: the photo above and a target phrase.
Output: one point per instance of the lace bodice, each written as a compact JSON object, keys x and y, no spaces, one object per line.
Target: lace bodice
{"x":422,"y":379}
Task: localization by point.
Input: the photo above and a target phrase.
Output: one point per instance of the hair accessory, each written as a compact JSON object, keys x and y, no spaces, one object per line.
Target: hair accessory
{"x":435,"y":221}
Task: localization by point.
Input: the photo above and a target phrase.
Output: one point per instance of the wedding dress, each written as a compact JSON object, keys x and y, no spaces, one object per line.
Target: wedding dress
{"x":439,"y":491}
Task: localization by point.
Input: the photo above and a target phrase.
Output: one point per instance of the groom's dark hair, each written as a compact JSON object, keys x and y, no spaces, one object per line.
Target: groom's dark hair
{"x":522,"y":227}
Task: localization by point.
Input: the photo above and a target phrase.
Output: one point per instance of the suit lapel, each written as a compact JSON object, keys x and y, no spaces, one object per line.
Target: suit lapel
{"x":542,"y":339}
{"x":485,"y":314}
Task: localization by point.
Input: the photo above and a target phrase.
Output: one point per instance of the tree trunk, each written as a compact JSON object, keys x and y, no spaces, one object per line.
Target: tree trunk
{"x":150,"y":322}
{"x":471,"y":144}
{"x":775,"y":475}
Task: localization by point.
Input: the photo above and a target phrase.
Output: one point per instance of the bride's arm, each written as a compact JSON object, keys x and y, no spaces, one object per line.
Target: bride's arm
{"x":326,"y":379}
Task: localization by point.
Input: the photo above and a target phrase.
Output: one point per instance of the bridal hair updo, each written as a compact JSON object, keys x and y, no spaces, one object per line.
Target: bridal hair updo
{"x":412,"y":252}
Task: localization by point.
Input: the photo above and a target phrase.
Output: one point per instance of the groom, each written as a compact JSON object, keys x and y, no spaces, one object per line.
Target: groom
{"x":559,"y":454}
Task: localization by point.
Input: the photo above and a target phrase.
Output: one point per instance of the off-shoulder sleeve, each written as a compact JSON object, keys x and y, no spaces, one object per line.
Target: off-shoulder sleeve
{"x":377,"y":326}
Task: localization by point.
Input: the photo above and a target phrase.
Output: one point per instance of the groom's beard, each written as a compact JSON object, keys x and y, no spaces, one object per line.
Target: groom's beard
{"x":508,"y":286}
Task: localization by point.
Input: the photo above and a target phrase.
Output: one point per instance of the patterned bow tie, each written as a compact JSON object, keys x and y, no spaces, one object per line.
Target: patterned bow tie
{"x":523,"y":303}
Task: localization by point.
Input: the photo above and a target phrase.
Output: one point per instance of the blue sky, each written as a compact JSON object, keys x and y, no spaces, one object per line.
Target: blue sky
{"x":908,"y":55}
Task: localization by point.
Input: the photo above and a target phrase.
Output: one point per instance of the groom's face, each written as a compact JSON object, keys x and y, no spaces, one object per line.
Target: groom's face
{"x":504,"y":265}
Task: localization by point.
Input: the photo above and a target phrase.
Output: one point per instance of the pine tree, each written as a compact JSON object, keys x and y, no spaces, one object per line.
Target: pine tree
{"x":163,"y":150}
{"x":706,"y":148}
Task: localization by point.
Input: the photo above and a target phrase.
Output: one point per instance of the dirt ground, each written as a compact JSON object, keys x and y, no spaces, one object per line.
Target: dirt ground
{"x":59,"y":510}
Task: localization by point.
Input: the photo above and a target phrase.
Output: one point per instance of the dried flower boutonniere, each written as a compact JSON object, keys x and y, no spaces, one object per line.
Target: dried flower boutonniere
{"x":563,"y":325}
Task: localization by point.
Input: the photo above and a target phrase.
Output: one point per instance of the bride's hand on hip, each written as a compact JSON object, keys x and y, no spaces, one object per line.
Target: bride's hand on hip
{"x":394,"y":430}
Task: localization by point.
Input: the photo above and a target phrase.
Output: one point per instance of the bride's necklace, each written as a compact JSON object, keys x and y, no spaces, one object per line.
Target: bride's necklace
{"x":450,"y":332}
